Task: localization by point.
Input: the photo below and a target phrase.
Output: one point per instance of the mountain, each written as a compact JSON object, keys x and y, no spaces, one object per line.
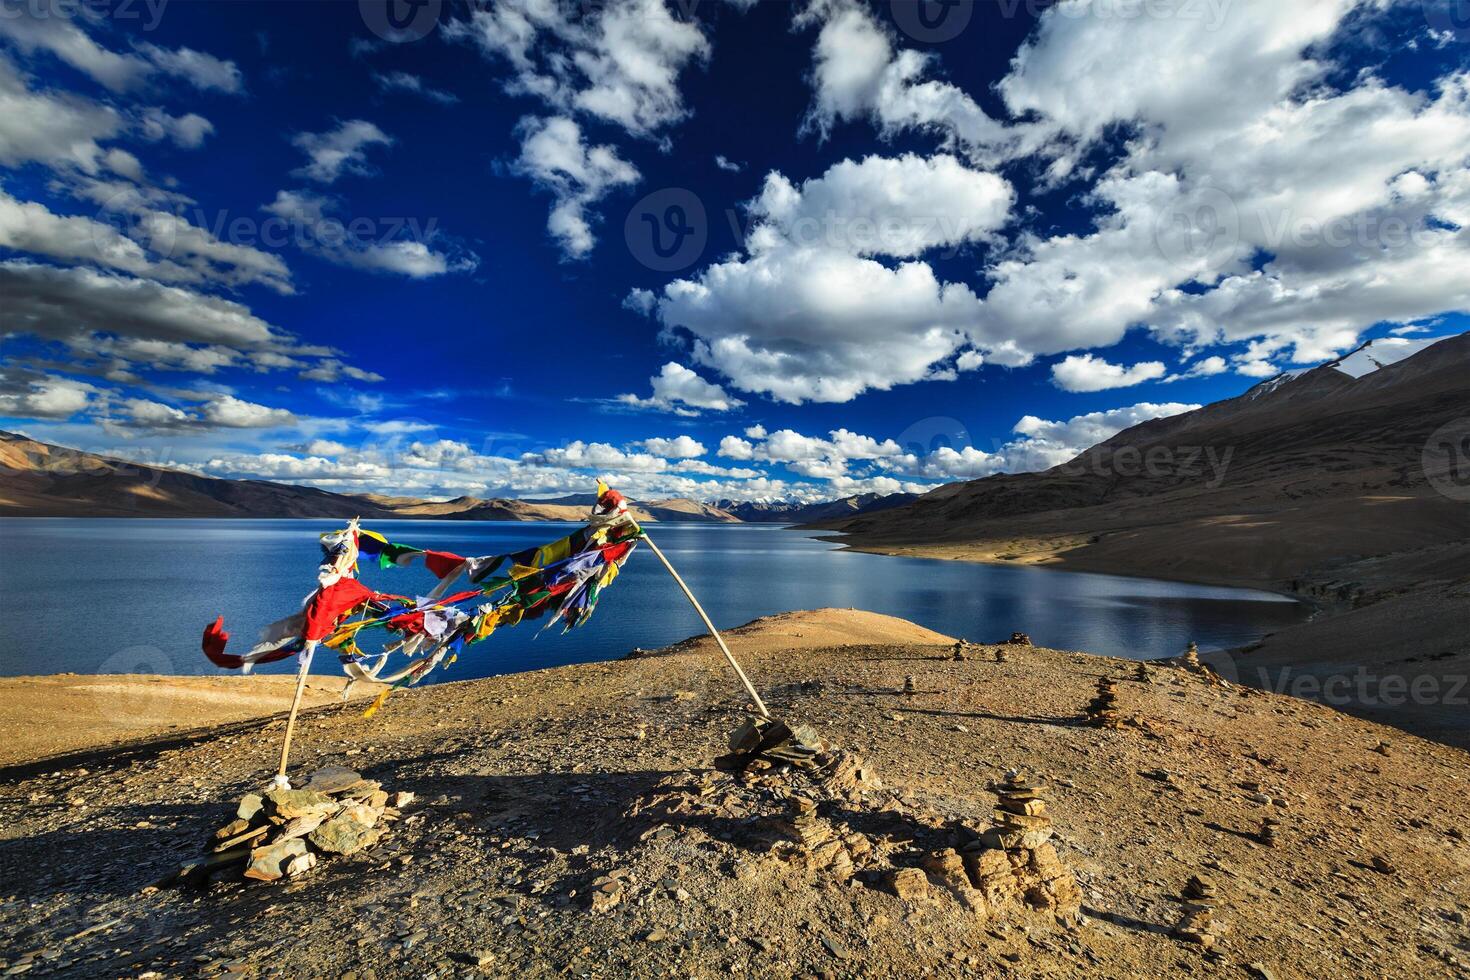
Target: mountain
{"x":1310,"y":467}
{"x":791,"y":512}
{"x":41,"y":480}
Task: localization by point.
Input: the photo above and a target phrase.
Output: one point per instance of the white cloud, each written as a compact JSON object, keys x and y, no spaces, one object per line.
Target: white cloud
{"x":56,"y":129}
{"x":809,"y":315}
{"x":339,"y":151}
{"x":33,"y":27}
{"x":900,"y":206}
{"x":618,"y":63}
{"x":554,"y":155}
{"x":332,"y":370}
{"x":233,"y":413}
{"x":621,"y":64}
{"x":318,"y":230}
{"x":680,"y":447}
{"x":680,"y":390}
{"x":1089,"y":373}
{"x":187,"y":131}
{"x":1040,"y":444}
{"x":43,"y":396}
{"x":204,"y":71}
{"x":596,"y":456}
{"x":1246,"y":141}
{"x":728,"y":165}
{"x":1205,"y":367}
{"x":858,"y":74}
{"x":640,"y":301}
{"x":402,"y":81}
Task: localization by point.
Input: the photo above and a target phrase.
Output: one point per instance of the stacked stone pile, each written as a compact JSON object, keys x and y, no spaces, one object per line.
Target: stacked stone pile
{"x":1267,"y":834}
{"x":283,"y":833}
{"x":1198,"y":924}
{"x":909,"y":686}
{"x":1102,"y":710}
{"x":1191,"y":662}
{"x":1143,"y":674}
{"x":1016,"y":858}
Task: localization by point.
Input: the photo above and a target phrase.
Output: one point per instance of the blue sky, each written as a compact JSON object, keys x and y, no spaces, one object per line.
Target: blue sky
{"x":713,"y":248}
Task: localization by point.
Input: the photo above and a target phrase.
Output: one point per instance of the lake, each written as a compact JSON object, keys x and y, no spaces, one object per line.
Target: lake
{"x":133,"y":596}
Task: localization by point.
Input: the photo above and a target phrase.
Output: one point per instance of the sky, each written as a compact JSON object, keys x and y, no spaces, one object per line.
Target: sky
{"x":708,"y":248}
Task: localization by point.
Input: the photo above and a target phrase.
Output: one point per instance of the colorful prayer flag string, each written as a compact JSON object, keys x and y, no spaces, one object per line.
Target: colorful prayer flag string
{"x":562,"y":579}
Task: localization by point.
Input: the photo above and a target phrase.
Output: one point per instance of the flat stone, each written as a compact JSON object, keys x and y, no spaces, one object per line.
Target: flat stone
{"x":344,"y":835}
{"x":289,"y":803}
{"x":269,"y":863}
{"x":333,"y":779}
{"x":250,"y":805}
{"x":402,"y":799}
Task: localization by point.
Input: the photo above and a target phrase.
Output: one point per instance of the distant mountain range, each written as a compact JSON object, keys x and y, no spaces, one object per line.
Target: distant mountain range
{"x":1310,"y":467}
{"x":41,"y":480}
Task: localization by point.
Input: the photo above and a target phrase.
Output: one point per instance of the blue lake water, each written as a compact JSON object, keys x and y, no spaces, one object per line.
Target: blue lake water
{"x":133,"y":596}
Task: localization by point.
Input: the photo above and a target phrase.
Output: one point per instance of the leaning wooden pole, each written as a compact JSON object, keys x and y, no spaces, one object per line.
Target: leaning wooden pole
{"x":760,"y":705}
{"x":281,"y":782}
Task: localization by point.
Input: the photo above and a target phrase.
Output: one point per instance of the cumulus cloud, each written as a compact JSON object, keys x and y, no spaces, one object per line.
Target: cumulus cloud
{"x":52,"y":128}
{"x":187,"y":131}
{"x":1247,"y":140}
{"x":43,"y":396}
{"x":1089,"y":373}
{"x":810,"y":313}
{"x":619,"y":64}
{"x":680,"y":390}
{"x":555,"y":156}
{"x":680,"y":447}
{"x":1039,"y":444}
{"x":338,"y":151}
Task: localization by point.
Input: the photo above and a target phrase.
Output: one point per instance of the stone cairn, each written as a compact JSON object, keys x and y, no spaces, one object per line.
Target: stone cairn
{"x":959,"y":650}
{"x":1102,"y":710}
{"x":1191,"y":662}
{"x":1267,"y":834}
{"x":909,"y":687}
{"x":1019,"y":640}
{"x":1016,"y":859}
{"x":282,"y":833}
{"x":1143,"y":674}
{"x":1000,"y":655}
{"x":1198,"y":924}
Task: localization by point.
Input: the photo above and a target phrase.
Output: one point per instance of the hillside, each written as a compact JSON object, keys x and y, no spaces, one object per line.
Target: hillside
{"x":41,"y":480}
{"x":1313,"y":483}
{"x":569,"y":822}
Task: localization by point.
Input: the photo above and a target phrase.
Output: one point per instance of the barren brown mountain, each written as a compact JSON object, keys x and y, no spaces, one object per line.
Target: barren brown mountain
{"x":1317,"y":484}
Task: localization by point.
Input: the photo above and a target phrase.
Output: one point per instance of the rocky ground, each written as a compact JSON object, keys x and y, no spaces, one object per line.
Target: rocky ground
{"x":570,"y":821}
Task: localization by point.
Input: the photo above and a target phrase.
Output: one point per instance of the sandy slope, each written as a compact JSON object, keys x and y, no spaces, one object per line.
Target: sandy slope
{"x":46,"y":716}
{"x":533,"y":786}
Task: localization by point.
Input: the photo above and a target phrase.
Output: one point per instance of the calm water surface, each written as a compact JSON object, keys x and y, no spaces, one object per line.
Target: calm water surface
{"x":132,"y":596}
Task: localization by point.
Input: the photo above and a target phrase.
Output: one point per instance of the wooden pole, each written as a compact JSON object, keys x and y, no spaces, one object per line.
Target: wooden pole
{"x":281,"y":781}
{"x":760,"y":705}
